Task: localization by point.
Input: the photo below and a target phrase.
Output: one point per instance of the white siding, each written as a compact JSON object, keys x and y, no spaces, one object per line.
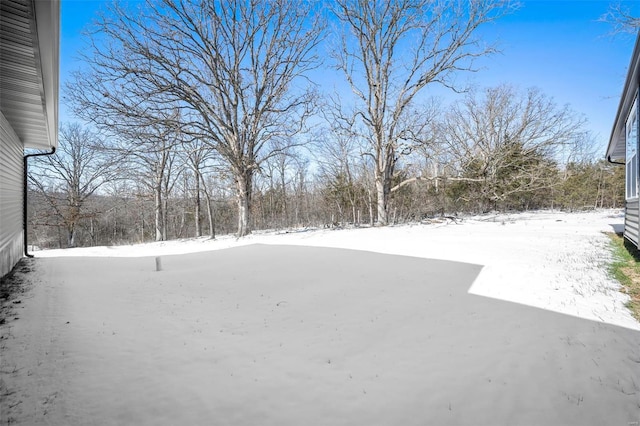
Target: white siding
{"x":11,"y":236}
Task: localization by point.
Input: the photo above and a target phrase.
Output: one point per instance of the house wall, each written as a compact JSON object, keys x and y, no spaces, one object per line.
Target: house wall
{"x":11,"y":172}
{"x":631,"y":221}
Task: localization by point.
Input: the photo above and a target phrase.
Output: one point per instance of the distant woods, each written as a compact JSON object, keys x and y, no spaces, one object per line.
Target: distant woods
{"x":204,"y":120}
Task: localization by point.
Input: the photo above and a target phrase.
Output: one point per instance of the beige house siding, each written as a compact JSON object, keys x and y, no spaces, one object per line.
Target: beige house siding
{"x":11,"y":236}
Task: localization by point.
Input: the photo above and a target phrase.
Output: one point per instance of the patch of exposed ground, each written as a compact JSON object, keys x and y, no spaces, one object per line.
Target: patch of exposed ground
{"x":626,"y":269}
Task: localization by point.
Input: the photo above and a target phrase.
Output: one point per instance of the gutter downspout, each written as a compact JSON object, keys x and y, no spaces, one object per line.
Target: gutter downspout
{"x":615,"y":162}
{"x":24,"y":195}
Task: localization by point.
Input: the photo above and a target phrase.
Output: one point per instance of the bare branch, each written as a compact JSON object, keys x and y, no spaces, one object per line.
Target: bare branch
{"x":621,"y":19}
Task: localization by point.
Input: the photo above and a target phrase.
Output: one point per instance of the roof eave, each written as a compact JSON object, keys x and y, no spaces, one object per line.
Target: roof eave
{"x":616,"y":148}
{"x":29,"y":70}
{"x":47,"y":17}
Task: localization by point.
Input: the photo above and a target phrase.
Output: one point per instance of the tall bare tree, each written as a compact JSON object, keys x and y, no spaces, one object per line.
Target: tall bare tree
{"x":150,"y":153}
{"x":390,"y":51}
{"x":143,"y":124}
{"x":234,"y":69}
{"x":80,"y":166}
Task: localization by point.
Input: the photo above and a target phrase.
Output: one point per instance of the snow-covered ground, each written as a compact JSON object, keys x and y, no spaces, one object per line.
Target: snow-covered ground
{"x":551,"y":260}
{"x":274,"y":333}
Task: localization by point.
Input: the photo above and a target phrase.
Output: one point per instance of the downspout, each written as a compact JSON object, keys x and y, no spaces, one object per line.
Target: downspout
{"x":24,"y":195}
{"x":615,"y":162}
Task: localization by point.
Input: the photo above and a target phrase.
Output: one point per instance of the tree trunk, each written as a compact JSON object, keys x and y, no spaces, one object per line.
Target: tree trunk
{"x":141,"y":223}
{"x":210,"y":209}
{"x":158,"y":209}
{"x":115,"y":226}
{"x":165,"y":216}
{"x":71,"y":235}
{"x":93,"y":232}
{"x":212,"y":223}
{"x":385,"y":165}
{"x":243,"y":192}
{"x":197,"y":207}
{"x":74,"y":217}
{"x":383,"y":189}
{"x":370,"y":203}
{"x":284,"y":198}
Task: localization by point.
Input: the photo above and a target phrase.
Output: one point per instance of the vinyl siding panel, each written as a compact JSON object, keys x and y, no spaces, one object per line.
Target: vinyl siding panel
{"x":632,"y":221}
{"x":11,"y":236}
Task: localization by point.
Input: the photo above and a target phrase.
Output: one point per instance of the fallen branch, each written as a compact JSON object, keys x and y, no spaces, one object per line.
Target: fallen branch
{"x":419,"y":178}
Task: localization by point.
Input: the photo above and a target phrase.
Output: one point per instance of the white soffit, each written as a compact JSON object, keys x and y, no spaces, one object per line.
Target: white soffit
{"x":29,"y":69}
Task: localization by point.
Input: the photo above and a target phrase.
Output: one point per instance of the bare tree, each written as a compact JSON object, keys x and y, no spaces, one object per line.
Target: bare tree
{"x":390,"y":51}
{"x":234,"y":69}
{"x":621,"y":19}
{"x":142,"y":124}
{"x":80,"y":166}
{"x":301,"y":201}
{"x":150,"y":154}
{"x":506,"y":143}
{"x":279,"y":176}
{"x":200,"y":157}
{"x":196,"y":158}
{"x":339,"y":155}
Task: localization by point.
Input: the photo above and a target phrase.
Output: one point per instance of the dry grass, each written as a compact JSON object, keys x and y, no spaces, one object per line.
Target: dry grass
{"x":626,"y":269}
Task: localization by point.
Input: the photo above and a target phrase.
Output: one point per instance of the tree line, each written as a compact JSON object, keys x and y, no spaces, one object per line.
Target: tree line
{"x":85,"y":195}
{"x":210,"y":117}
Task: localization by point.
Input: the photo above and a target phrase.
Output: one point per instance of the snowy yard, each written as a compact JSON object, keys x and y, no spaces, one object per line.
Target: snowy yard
{"x":550,"y":260}
{"x":280,"y":329}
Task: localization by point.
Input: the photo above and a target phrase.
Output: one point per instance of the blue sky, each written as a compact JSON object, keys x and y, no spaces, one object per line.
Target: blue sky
{"x":556,"y":45}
